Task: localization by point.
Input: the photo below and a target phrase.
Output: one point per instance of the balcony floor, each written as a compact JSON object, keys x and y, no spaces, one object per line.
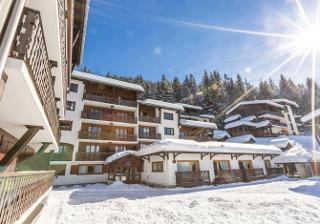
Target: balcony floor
{"x":20,"y":105}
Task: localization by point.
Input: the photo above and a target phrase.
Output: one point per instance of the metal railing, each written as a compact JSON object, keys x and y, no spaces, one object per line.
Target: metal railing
{"x":111,"y":100}
{"x":150,"y":119}
{"x":150,"y":135}
{"x":109,"y":117}
{"x":19,"y":191}
{"x":29,"y":45}
{"x":106,"y":136}
{"x":183,"y":177}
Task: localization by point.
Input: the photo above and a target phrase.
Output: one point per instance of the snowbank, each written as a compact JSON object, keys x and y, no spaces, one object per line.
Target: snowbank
{"x":296,"y":154}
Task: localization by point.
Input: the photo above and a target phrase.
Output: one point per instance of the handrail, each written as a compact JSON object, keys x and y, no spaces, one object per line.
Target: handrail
{"x":111,"y":100}
{"x":106,"y":136}
{"x":108,"y":117}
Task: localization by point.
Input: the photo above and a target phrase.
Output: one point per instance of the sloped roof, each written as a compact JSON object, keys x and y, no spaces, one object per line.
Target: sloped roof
{"x":286,"y":101}
{"x":219,"y":134}
{"x":191,"y":106}
{"x":199,"y":124}
{"x":242,"y":139}
{"x":120,"y":155}
{"x":296,"y":154}
{"x":162,"y":104}
{"x":106,"y":81}
{"x":232,"y":118}
{"x":253,"y":102}
{"x":308,"y":117}
{"x":181,"y":145}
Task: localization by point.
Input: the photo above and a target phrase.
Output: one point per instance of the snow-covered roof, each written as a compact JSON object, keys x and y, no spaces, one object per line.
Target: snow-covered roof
{"x":219,"y":134}
{"x":271,"y":116}
{"x":249,"y":118}
{"x":232,"y":118}
{"x":247,"y":123}
{"x":120,"y":155}
{"x":286,"y":101}
{"x":309,"y":116}
{"x":253,"y":102}
{"x":296,"y":154}
{"x":210,"y":116}
{"x":282,"y":143}
{"x":199,"y":124}
{"x":191,"y":106}
{"x":108,"y":81}
{"x":181,"y":145}
{"x":158,"y":103}
{"x":242,"y":139}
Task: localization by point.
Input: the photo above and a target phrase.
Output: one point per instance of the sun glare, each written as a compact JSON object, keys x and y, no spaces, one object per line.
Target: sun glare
{"x":309,"y":39}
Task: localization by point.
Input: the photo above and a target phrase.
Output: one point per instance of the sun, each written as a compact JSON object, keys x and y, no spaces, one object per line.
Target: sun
{"x":309,"y":39}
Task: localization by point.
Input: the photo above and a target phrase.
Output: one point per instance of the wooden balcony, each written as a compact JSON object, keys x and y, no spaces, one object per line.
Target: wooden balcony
{"x":29,"y":45}
{"x":96,"y":156}
{"x":237,"y":175}
{"x":149,"y":119}
{"x":109,"y":117}
{"x":20,"y":191}
{"x":106,"y":136}
{"x":150,"y":135}
{"x":111,"y":100}
{"x":275,"y":171}
{"x":192,"y":178}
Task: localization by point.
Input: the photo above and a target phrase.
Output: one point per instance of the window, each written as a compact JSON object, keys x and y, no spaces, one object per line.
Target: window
{"x":168,"y":116}
{"x":188,"y":166}
{"x":246,"y":164}
{"x":94,"y":131}
{"x":220,"y":165}
{"x":60,"y":169}
{"x":95,"y":113}
{"x":157,"y":166}
{"x":121,"y":131}
{"x":169,"y":131}
{"x":92,"y":148}
{"x":66,"y":125}
{"x":73,"y":87}
{"x":120,"y":148}
{"x":63,"y":147}
{"x":71,"y":105}
{"x":90,"y":169}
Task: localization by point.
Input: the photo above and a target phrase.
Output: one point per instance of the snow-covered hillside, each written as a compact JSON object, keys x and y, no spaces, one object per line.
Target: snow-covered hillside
{"x":278,"y":200}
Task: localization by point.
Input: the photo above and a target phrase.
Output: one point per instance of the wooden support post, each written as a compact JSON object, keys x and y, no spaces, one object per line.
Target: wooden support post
{"x":19,"y":146}
{"x":44,"y":146}
{"x":175,"y":154}
{"x":212,"y":155}
{"x":202,"y":155}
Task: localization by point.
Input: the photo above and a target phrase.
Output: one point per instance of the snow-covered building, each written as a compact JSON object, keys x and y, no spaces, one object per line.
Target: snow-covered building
{"x":104,"y":116}
{"x":40,"y":44}
{"x":177,"y":162}
{"x":262,"y":118}
{"x":315,"y":128}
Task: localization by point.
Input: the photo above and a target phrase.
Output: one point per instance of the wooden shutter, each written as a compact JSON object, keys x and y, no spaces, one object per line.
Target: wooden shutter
{"x":74,"y":170}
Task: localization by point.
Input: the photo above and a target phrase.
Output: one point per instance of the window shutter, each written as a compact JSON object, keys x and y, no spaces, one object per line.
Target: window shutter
{"x":74,"y":170}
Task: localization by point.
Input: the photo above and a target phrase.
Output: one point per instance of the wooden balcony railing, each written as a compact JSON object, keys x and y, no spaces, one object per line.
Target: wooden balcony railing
{"x":106,"y":136}
{"x":236,"y":173}
{"x":19,"y":191}
{"x":29,"y":45}
{"x":150,"y":135}
{"x":109,"y":117}
{"x":275,"y":171}
{"x":150,"y":119}
{"x":111,"y":100}
{"x":254,"y":172}
{"x":192,"y":178}
{"x":95,"y":156}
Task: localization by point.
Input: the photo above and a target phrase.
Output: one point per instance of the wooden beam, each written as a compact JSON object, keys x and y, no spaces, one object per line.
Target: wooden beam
{"x":235,"y":155}
{"x":175,"y":154}
{"x":146,"y":158}
{"x":44,"y":146}
{"x":19,"y":146}
{"x":255,"y":156}
{"x":202,"y":155}
{"x":212,"y":155}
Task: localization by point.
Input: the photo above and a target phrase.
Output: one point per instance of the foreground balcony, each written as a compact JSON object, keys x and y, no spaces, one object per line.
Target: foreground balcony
{"x":29,"y":70}
{"x":20,"y":191}
{"x":106,"y":136}
{"x":110,"y":100}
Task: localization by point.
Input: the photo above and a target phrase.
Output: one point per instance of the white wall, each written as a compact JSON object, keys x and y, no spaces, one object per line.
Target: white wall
{"x":169,"y":124}
{"x":168,"y":176}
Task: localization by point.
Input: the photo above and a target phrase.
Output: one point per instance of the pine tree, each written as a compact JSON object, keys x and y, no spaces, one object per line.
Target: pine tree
{"x":165,"y":88}
{"x":177,"y":89}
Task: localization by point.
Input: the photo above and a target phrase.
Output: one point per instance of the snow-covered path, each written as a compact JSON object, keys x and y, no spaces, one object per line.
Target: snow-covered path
{"x":278,"y":200}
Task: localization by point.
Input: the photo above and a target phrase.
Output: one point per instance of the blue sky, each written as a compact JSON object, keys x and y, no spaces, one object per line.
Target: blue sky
{"x":152,"y":38}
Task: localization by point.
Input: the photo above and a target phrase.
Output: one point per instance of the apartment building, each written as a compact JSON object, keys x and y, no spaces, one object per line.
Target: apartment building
{"x":103,"y":117}
{"x":40,"y":44}
{"x":262,"y":118}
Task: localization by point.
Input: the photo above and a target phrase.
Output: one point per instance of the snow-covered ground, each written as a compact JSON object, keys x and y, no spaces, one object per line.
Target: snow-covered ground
{"x":278,"y":200}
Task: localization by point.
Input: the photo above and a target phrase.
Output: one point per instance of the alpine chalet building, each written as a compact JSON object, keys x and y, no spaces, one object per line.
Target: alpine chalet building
{"x":262,"y":118}
{"x":105,"y":116}
{"x":40,"y":44}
